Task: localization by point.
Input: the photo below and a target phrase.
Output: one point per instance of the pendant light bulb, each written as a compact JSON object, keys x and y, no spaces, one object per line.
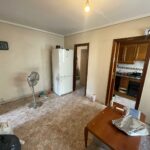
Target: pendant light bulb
{"x":87,"y":6}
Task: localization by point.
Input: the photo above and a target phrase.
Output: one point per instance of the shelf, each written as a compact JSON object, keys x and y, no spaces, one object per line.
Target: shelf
{"x":131,"y":78}
{"x":124,"y":95}
{"x":125,"y":62}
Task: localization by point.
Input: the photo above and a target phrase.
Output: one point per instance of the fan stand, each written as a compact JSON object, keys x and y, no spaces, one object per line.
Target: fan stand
{"x":34,"y":104}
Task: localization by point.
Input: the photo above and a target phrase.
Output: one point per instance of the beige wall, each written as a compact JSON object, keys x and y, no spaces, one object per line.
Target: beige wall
{"x":100,"y":53}
{"x":29,"y":50}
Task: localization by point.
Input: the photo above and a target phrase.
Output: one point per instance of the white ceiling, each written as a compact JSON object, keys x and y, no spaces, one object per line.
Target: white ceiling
{"x":67,"y":16}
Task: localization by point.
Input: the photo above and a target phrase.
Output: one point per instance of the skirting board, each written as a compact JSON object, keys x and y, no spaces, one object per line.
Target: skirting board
{"x":18,"y":98}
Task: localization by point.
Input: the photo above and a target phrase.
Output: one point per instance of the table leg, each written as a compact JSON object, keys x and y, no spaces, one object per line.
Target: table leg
{"x":85,"y":136}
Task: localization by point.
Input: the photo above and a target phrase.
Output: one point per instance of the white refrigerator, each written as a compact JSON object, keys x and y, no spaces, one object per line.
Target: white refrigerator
{"x":62,"y":68}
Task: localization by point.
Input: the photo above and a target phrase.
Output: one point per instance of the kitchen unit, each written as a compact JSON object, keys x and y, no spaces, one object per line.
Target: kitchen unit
{"x":128,"y":68}
{"x":128,"y":77}
{"x":127,"y":85}
{"x":128,"y":53}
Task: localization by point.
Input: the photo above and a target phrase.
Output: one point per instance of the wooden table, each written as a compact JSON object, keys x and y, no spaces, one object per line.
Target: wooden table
{"x":101,"y":127}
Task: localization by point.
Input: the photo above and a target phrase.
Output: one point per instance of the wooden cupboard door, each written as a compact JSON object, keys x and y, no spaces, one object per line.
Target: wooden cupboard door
{"x":121,"y":54}
{"x":141,"y":51}
{"x":130,"y":53}
{"x":124,"y":82}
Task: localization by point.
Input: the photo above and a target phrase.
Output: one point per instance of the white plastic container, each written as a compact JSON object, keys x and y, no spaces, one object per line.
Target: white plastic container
{"x":93,"y":97}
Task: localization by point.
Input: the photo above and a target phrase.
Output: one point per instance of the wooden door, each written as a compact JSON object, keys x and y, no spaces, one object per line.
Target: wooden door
{"x":121,"y":54}
{"x":141,"y":51}
{"x":124,"y":82}
{"x":130,"y":53}
{"x":127,"y":53}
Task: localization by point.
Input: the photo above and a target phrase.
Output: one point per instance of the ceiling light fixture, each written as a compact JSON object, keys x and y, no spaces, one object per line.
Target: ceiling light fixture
{"x":87,"y":6}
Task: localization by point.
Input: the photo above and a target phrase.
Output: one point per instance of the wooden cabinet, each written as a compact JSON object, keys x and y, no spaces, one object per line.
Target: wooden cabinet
{"x":130,"y":53}
{"x":141,"y":51}
{"x":121,"y":54}
{"x":124,"y":82}
{"x":127,"y":53}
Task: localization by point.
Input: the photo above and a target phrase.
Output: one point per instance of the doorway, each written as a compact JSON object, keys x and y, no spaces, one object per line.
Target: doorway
{"x":129,"y":63}
{"x":80,"y":69}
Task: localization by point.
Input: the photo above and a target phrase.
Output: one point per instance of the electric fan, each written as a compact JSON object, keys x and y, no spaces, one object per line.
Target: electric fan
{"x":33,"y":79}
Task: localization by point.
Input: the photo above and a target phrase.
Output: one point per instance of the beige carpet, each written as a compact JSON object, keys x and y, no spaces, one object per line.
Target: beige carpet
{"x":57,"y":125}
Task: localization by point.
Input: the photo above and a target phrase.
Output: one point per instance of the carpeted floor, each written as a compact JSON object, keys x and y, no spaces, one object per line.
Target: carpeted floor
{"x":57,"y":125}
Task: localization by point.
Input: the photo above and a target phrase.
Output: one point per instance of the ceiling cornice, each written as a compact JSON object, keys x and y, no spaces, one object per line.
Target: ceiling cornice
{"x":31,"y":28}
{"x":110,"y":24}
{"x":78,"y":32}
